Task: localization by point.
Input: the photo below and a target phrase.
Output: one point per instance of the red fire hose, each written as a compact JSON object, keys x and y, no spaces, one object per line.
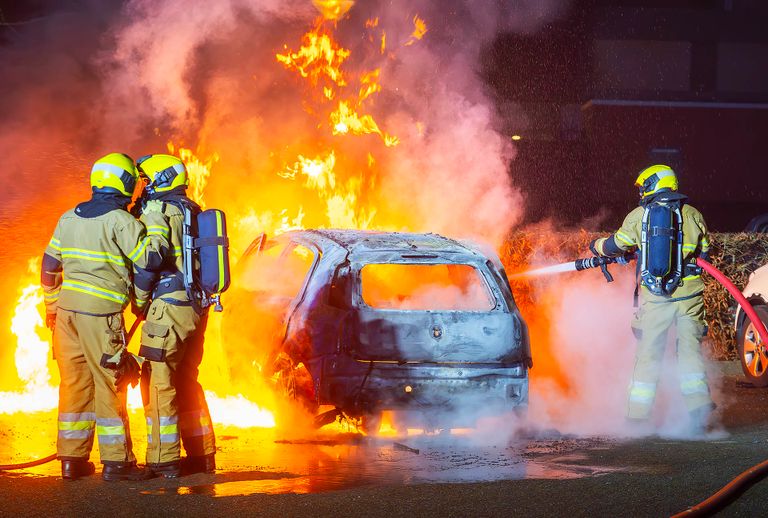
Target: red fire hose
{"x":741,"y":299}
{"x":756,"y":473}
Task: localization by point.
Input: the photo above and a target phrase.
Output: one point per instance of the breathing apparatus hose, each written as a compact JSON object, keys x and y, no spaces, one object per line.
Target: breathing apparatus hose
{"x":30,"y":464}
{"x":756,"y":473}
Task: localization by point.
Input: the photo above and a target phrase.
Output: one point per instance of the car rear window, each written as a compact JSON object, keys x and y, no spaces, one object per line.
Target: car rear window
{"x":421,"y":287}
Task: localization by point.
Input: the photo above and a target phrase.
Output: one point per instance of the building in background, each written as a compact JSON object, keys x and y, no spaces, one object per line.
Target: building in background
{"x":615,"y":85}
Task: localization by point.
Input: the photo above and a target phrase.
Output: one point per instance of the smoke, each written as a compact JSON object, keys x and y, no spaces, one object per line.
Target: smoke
{"x":584,"y":389}
{"x":92,"y":77}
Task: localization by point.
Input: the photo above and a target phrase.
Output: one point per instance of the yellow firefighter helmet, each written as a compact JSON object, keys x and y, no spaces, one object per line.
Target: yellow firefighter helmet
{"x":655,"y":179}
{"x":163,"y":172}
{"x":114,"y":173}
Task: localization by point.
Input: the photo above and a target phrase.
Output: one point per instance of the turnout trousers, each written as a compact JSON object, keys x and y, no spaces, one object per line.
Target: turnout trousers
{"x":174,"y":402}
{"x":652,"y":324}
{"x":88,"y":399}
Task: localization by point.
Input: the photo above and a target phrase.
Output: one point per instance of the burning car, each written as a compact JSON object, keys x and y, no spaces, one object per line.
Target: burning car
{"x":752,"y":351}
{"x":371,"y":321}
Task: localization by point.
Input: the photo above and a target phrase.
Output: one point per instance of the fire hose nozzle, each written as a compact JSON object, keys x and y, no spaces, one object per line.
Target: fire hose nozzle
{"x":593,"y":262}
{"x":602,"y":262}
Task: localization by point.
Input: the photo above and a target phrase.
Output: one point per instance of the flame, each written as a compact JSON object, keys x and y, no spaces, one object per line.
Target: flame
{"x":346,"y":120}
{"x":419,"y":30}
{"x":32,"y":354}
{"x":333,"y":9}
{"x":198,"y":171}
{"x":328,"y":188}
{"x":318,"y":57}
{"x":33,"y":350}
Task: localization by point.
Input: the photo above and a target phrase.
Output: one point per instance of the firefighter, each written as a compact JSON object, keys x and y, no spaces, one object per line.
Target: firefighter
{"x":172,"y":339}
{"x":86,"y":278}
{"x":666,"y":299}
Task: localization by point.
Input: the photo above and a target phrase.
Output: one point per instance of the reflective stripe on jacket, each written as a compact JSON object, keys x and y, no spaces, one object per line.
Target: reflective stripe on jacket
{"x":87,"y":265}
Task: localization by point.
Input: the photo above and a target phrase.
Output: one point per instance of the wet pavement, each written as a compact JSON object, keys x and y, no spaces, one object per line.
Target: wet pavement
{"x":544,"y":473}
{"x":262,"y":460}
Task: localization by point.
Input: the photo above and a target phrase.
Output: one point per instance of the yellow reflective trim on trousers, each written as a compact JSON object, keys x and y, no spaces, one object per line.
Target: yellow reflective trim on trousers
{"x":694,"y":386}
{"x":177,"y":251}
{"x":169,"y":429}
{"x":219,"y":232}
{"x":55,"y":243}
{"x":624,"y":238}
{"x":89,"y":289}
{"x":92,"y":255}
{"x":642,"y":392}
{"x":138,"y":250}
{"x":110,"y":430}
{"x":691,"y":277}
{"x":76,"y":425}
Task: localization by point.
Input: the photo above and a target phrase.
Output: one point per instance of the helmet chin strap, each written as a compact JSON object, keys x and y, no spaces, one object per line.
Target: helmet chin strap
{"x":163,"y":178}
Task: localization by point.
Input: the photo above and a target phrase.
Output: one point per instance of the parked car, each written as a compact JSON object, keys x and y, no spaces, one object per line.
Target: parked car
{"x":758,"y":224}
{"x":752,"y":351}
{"x":371,"y":321}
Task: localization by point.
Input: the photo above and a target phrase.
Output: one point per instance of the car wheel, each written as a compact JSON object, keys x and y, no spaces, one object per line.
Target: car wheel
{"x":752,"y":351}
{"x":294,"y":381}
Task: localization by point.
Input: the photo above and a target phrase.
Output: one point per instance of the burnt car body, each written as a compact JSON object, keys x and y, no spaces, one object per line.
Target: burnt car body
{"x":368,"y":351}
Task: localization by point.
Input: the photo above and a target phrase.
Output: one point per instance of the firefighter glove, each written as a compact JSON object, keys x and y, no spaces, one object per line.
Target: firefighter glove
{"x":127,"y":368}
{"x":50,"y":321}
{"x":593,"y":247}
{"x":153,"y":206}
{"x":128,"y":372}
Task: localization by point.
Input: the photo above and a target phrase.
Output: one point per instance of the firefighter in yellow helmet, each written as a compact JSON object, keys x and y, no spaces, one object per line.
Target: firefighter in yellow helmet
{"x":86,"y":277}
{"x":172,"y":339}
{"x":669,"y":235}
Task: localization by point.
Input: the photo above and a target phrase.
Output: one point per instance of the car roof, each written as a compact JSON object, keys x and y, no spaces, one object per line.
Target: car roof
{"x":364,"y":241}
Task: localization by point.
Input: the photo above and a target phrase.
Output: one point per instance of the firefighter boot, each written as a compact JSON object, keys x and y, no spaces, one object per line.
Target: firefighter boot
{"x":125,"y":471}
{"x":199,"y":464}
{"x":700,"y":420}
{"x":636,"y":427}
{"x":75,"y":468}
{"x":166,"y":469}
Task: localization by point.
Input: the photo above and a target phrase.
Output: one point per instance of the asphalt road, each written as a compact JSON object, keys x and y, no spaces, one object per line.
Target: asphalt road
{"x":263,"y":474}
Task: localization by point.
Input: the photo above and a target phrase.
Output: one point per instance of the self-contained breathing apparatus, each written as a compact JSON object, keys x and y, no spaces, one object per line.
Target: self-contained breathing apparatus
{"x":661,"y":247}
{"x":205,"y":251}
{"x":661,"y":266}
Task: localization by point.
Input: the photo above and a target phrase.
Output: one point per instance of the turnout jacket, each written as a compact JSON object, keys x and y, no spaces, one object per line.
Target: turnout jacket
{"x":695,"y":244}
{"x":93,"y":255}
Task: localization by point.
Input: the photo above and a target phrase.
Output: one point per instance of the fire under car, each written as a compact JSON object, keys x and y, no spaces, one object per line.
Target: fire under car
{"x":371,"y":321}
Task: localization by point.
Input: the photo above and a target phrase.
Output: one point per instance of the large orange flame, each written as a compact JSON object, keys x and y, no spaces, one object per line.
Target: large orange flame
{"x":341,"y":97}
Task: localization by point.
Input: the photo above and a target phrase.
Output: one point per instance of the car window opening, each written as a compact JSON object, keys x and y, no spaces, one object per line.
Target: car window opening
{"x":422,"y":287}
{"x":279,"y":271}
